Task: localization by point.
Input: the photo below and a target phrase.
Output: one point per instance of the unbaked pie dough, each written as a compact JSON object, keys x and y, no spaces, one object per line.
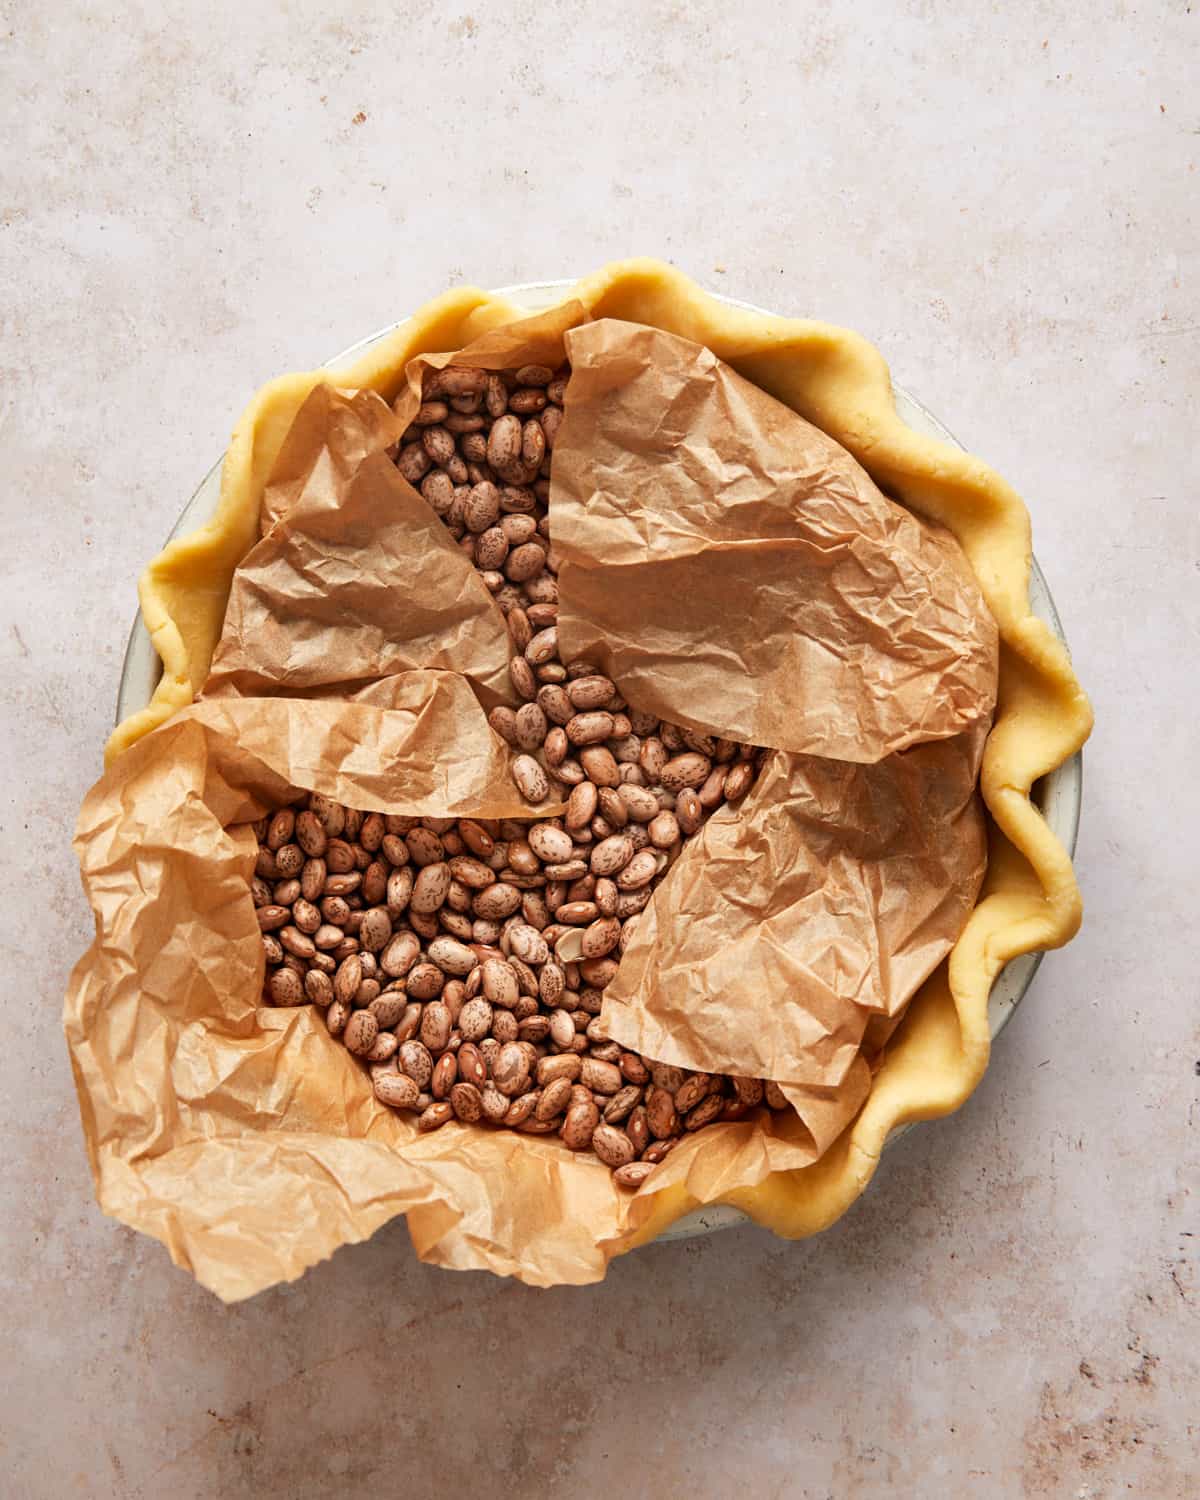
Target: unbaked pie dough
{"x":839,"y":382}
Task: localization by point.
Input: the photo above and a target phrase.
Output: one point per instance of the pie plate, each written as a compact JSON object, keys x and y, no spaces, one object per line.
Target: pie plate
{"x":1058,"y":795}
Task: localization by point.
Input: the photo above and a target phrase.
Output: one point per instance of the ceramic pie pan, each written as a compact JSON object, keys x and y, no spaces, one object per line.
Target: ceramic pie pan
{"x":1058,"y":795}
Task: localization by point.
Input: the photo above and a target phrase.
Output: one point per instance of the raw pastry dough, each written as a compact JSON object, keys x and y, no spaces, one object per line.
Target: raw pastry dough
{"x":838,"y":381}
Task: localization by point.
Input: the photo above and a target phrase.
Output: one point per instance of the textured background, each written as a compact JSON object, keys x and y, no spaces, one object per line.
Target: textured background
{"x":199,"y":196}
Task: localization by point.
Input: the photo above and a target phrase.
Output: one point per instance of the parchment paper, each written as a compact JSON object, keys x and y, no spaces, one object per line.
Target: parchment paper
{"x":730,"y":565}
{"x":355,"y":578}
{"x":736,"y":571}
{"x":834,"y":627}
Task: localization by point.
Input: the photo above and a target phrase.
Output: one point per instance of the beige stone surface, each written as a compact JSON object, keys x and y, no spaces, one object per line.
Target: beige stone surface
{"x":1005,"y":198}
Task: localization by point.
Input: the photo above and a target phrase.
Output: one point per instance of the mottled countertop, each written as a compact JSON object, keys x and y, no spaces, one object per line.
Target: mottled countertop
{"x":1006,"y":200}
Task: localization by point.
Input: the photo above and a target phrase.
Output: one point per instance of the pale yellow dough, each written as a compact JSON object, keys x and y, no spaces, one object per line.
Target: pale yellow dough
{"x":840,"y":382}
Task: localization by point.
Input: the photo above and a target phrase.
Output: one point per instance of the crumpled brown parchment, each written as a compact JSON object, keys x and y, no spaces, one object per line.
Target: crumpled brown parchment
{"x":355,"y":577}
{"x":359,"y":653}
{"x":738,"y":572}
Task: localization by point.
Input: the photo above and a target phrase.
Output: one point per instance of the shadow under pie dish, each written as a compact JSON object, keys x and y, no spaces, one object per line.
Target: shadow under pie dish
{"x":939,"y":1050}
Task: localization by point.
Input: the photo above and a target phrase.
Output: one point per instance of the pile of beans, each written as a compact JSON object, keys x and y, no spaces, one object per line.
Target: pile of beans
{"x":465,"y":960}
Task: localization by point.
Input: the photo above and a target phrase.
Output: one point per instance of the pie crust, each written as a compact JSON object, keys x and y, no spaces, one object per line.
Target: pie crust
{"x":839,"y":382}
